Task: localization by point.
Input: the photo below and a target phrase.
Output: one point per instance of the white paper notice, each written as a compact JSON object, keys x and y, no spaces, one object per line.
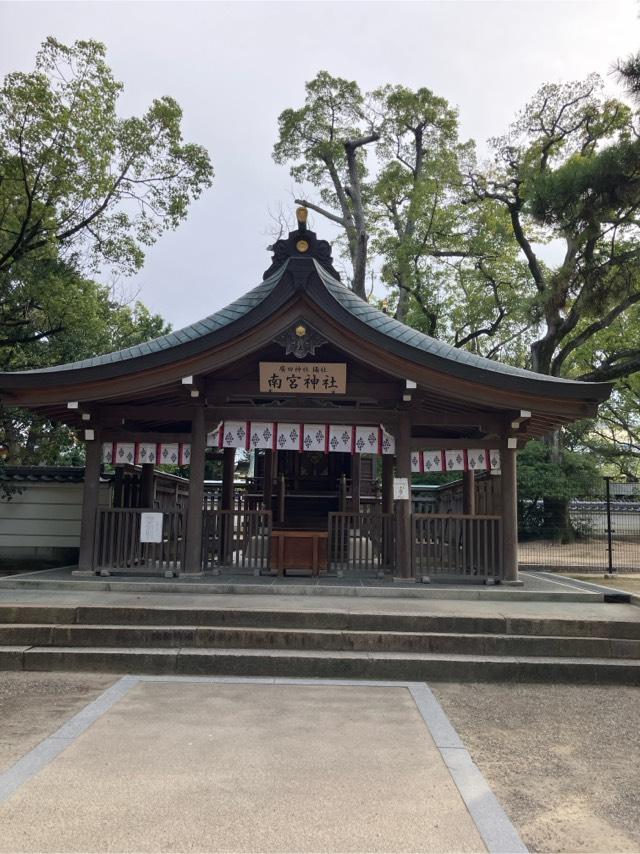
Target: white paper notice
{"x":151,"y":527}
{"x":401,"y":489}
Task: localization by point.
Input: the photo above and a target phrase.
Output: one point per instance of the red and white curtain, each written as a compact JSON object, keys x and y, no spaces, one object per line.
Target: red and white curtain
{"x":130,"y":453}
{"x":461,"y":460}
{"x":292,"y":436}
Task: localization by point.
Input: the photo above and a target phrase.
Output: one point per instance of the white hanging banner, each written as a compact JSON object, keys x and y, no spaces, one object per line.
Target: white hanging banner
{"x":494,"y":459}
{"x":367,"y":440}
{"x":433,"y":461}
{"x":416,"y":462}
{"x":108,"y":452}
{"x":169,"y":454}
{"x":315,"y":437}
{"x":125,"y":453}
{"x":262,"y":434}
{"x":478,"y":459}
{"x":454,"y":460}
{"x":387,"y":442}
{"x":184,"y":455}
{"x":235,"y":434}
{"x":289,"y":437}
{"x":146,"y":452}
{"x":214,"y":438}
{"x":340,"y":439}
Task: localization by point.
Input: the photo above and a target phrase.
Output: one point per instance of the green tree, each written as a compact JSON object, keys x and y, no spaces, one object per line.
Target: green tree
{"x":546,"y":488}
{"x":86,"y":320}
{"x":325,"y":141}
{"x":567,"y":171}
{"x":81,"y":189}
{"x":388,"y":167}
{"x":76,"y":179}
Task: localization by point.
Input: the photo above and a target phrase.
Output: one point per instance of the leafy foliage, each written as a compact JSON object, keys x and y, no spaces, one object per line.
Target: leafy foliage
{"x":81,"y":189}
{"x":78,"y":179}
{"x":546,"y":486}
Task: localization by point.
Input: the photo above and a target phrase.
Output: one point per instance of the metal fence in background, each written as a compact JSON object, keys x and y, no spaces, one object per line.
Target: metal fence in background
{"x":595,"y":528}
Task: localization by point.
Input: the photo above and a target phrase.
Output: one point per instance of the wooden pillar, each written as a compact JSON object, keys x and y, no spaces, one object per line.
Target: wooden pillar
{"x":118,"y":479}
{"x":387,"y":483}
{"x":282,"y":489}
{"x":509,"y":507}
{"x":355,"y":483}
{"x":267,"y":481}
{"x":228,"y":474}
{"x":193,"y":549}
{"x":404,"y":568}
{"x":469,"y":493}
{"x":90,"y":500}
{"x":146,"y":485}
{"x":227,"y":520}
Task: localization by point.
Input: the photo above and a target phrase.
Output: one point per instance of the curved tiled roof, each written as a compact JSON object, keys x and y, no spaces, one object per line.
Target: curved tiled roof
{"x":213,"y":323}
{"x":403,"y":334}
{"x":329,"y":292}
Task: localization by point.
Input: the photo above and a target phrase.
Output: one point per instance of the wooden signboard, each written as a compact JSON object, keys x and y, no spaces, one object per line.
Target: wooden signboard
{"x":303,"y":377}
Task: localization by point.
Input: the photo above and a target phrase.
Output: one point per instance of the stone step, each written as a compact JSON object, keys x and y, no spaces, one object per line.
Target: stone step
{"x":240,"y":637}
{"x":342,"y":620}
{"x":315,"y":664}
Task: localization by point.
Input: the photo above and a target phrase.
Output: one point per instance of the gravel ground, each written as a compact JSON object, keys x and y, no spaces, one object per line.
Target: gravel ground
{"x":33,"y":705}
{"x":563,"y":760}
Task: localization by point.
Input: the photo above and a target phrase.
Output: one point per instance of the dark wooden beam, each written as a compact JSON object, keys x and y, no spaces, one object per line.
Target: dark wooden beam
{"x":456,"y":444}
{"x":113,"y":415}
{"x":122,"y":434}
{"x":320,"y":415}
{"x":486,"y":423}
{"x":218,"y":391}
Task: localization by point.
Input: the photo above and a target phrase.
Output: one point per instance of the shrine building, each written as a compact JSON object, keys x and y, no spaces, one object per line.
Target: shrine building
{"x":333,"y":404}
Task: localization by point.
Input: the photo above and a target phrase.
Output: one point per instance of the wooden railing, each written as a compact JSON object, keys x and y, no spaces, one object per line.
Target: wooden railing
{"x":118,"y":546}
{"x":456,"y":545}
{"x":237,"y":539}
{"x":361,"y":543}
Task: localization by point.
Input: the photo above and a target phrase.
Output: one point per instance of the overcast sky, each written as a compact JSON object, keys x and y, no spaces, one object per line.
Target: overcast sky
{"x":234,"y":66}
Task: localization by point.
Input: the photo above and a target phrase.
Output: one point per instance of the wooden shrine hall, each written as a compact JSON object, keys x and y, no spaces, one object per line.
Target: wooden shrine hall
{"x":336,"y":403}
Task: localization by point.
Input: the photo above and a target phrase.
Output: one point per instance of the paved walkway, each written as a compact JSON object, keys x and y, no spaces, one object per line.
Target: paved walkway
{"x":588,"y":610}
{"x":169,"y":764}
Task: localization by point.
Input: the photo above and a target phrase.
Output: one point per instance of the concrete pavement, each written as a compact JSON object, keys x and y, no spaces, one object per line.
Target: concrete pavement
{"x":587,"y":610}
{"x":247,"y":765}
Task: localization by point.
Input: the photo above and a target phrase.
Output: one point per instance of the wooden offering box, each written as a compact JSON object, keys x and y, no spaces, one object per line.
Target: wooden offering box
{"x":299,"y":550}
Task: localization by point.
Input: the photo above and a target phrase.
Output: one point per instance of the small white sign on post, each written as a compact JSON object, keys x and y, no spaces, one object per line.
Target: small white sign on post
{"x":401,"y":491}
{"x":151,"y":527}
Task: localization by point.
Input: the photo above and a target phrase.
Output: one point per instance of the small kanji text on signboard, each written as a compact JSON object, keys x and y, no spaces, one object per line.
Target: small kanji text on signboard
{"x":303,"y":377}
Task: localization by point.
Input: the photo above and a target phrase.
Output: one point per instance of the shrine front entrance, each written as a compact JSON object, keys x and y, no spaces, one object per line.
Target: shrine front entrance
{"x":310,"y":513}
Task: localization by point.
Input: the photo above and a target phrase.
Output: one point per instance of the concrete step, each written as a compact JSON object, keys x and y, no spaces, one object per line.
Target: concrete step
{"x":339,"y":620}
{"x":239,"y":637}
{"x":315,"y":664}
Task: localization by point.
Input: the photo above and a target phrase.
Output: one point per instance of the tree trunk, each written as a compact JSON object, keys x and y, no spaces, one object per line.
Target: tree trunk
{"x":360,"y":265}
{"x":556,"y":518}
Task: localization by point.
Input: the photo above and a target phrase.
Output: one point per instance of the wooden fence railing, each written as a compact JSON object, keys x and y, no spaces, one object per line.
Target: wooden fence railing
{"x":118,"y":546}
{"x":456,"y":545}
{"x":361,"y":543}
{"x":237,"y":539}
